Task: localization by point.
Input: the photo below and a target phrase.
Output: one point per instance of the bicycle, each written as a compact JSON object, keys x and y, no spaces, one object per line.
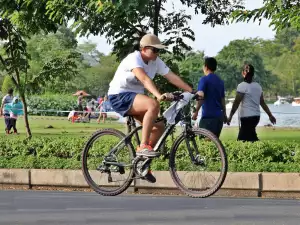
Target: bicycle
{"x":127,"y":166}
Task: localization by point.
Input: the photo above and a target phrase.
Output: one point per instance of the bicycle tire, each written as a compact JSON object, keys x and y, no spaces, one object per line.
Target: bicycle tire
{"x":86,"y":174}
{"x":224,"y":168}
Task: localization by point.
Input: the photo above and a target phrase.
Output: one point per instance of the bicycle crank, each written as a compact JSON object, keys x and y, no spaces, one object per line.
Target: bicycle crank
{"x":141,"y":165}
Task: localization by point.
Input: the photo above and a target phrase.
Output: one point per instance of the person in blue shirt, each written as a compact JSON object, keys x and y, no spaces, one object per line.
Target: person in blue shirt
{"x":212,"y":89}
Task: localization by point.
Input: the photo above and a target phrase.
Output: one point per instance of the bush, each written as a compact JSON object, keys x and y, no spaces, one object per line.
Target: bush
{"x":55,"y":102}
{"x":64,"y":152}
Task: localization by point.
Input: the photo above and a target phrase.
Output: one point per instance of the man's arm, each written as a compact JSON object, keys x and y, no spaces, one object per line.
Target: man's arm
{"x":177,"y":81}
{"x":223,"y":103}
{"x":146,"y":81}
{"x":224,"y":108}
{"x":200,"y":93}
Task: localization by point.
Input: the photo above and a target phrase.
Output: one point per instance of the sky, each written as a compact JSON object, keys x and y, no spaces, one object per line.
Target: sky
{"x":209,"y":39}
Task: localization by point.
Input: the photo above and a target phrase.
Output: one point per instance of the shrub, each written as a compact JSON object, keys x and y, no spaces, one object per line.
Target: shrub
{"x":51,"y":102}
{"x":64,"y":152}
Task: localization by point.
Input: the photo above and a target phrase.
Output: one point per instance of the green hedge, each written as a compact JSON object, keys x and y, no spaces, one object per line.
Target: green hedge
{"x":51,"y":102}
{"x":60,"y":102}
{"x":65,"y":153}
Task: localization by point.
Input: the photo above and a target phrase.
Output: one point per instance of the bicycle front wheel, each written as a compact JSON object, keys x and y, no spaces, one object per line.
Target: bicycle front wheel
{"x":106,"y":167}
{"x":198,"y":163}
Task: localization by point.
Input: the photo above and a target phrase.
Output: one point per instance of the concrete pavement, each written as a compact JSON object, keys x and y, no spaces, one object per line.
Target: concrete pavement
{"x":80,"y":208}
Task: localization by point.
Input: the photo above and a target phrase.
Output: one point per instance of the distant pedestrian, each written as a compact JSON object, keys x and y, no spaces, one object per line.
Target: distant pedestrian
{"x":249,"y":97}
{"x":6,"y":99}
{"x":15,"y":109}
{"x":80,"y":102}
{"x":211,"y":87}
{"x":104,"y":107}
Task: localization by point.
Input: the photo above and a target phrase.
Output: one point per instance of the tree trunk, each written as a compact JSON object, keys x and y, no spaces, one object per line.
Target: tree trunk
{"x":157,"y":5}
{"x":26,"y":115}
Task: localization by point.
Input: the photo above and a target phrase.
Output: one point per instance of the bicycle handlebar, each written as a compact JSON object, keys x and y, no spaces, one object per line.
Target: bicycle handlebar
{"x":178,"y":96}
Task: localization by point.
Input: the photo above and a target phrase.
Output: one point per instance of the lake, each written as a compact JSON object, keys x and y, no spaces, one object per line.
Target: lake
{"x":286,"y":116}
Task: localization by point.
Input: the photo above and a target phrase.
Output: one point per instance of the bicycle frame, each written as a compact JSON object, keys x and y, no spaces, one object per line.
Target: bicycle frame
{"x":182,"y":115}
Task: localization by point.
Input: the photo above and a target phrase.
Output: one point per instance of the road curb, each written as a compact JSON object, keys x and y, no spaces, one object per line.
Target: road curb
{"x":237,"y":184}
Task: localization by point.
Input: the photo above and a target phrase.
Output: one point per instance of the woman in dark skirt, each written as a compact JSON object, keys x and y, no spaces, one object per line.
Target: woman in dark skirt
{"x":249,"y":97}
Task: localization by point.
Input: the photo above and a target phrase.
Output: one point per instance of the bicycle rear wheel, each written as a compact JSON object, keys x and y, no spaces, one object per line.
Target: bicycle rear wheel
{"x":198,"y":163}
{"x":108,"y":173}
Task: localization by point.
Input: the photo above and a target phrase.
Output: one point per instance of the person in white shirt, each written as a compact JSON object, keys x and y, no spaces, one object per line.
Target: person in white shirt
{"x":6,"y":99}
{"x":249,"y":96}
{"x":126,"y":90}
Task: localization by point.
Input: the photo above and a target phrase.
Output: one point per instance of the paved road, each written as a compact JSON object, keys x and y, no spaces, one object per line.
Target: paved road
{"x":78,"y":208}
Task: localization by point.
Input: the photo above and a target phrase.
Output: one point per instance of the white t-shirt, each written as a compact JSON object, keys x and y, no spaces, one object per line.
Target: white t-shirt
{"x":6,"y":99}
{"x":125,"y":81}
{"x":251,"y":101}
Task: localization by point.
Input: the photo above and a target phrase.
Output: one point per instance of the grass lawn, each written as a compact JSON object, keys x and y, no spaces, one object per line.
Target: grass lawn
{"x":264,"y":133}
{"x":61,"y":126}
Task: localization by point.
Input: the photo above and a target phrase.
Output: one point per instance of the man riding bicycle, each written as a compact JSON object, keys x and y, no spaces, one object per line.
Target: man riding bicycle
{"x":126,"y":90}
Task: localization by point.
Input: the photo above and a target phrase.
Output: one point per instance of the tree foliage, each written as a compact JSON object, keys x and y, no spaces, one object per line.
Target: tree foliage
{"x":54,"y":60}
{"x":282,"y":13}
{"x":125,"y":22}
{"x":7,"y":83}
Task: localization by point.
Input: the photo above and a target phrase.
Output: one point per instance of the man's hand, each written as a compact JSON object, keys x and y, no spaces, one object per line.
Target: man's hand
{"x":166,"y":97}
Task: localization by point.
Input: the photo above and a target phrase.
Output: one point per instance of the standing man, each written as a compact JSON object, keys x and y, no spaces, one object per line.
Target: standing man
{"x":79,"y":103}
{"x":212,"y":89}
{"x":6,"y":99}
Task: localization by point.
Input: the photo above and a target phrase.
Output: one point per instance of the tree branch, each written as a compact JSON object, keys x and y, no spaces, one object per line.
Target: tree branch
{"x":3,"y":62}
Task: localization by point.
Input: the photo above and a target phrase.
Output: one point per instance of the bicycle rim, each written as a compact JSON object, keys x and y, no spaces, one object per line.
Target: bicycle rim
{"x":97,"y":147}
{"x":207,"y":176}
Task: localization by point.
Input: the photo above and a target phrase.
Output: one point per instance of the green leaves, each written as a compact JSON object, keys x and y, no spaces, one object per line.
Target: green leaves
{"x":65,"y":68}
{"x":28,"y":15}
{"x":282,"y":14}
{"x":54,"y":59}
{"x":216,"y":11}
{"x":232,"y":58}
{"x":51,"y":102}
{"x":16,"y":57}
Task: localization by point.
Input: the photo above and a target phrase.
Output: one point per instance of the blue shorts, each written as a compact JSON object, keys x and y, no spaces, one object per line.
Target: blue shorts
{"x":122,"y":102}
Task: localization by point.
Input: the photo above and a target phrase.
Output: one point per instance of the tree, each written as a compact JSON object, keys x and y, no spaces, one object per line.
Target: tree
{"x":191,"y":67}
{"x":232,"y":58}
{"x":7,"y":83}
{"x":54,"y":61}
{"x":19,"y":19}
{"x":122,"y":23}
{"x":15,"y":61}
{"x":96,"y":79}
{"x":125,"y":22}
{"x":282,"y":13}
{"x":281,"y":58}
